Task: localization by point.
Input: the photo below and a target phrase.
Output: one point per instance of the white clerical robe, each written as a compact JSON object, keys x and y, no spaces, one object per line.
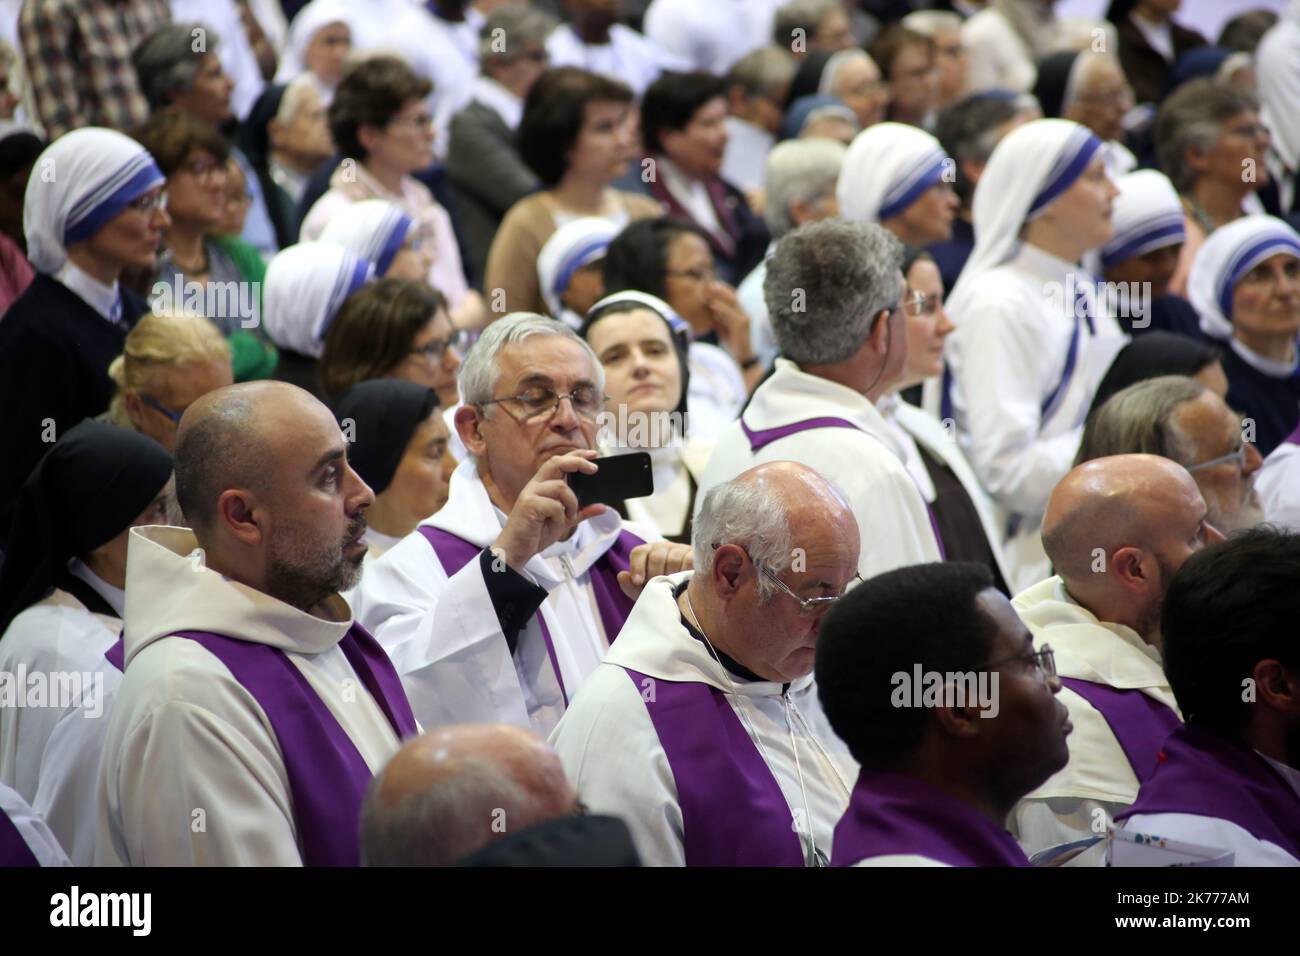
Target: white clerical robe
{"x":442,"y":631}
{"x":1278,"y":483}
{"x":864,"y":462}
{"x":628,"y":56}
{"x":1099,"y":776}
{"x":38,"y":837}
{"x":50,"y":753}
{"x":192,"y":773}
{"x":613,"y":756}
{"x":1008,"y":356}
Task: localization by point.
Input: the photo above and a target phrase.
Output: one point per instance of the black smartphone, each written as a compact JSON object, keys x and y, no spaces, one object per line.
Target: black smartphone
{"x":620,"y":477}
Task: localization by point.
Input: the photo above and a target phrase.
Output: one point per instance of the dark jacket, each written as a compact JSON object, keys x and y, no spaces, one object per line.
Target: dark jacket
{"x":1145,"y":68}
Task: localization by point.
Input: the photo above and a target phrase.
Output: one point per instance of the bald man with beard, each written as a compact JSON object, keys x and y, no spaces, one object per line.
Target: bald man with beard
{"x":253,"y":709}
{"x":451,"y":791}
{"x":1116,"y":530}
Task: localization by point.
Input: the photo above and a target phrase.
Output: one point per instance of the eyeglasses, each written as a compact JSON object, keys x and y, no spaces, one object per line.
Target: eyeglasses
{"x":148,"y":202}
{"x":1043,"y":658}
{"x":539,"y":403}
{"x":204,"y":170}
{"x":918,"y":303}
{"x":419,"y":121}
{"x":174,"y":417}
{"x":434,"y":350}
{"x":808,"y":607}
{"x":701,"y":274}
{"x":1237,"y":458}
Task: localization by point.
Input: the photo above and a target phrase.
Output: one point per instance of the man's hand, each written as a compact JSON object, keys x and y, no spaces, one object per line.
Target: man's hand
{"x":546,"y":510}
{"x":651,"y":560}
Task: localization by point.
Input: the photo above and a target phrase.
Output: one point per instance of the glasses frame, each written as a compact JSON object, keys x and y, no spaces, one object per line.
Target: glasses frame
{"x":549,"y":413}
{"x":1237,"y":457}
{"x":1044,"y":658}
{"x":809,"y":607}
{"x":173,"y":417}
{"x":435,"y":349}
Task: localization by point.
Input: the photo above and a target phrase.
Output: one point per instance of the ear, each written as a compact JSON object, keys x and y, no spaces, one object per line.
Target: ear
{"x":879,"y":340}
{"x":369,"y":135}
{"x":467,"y":421}
{"x":962,"y":722}
{"x":1126,"y":566}
{"x":238,"y":513}
{"x":1195,"y":157}
{"x":275,"y":132}
{"x":1277,"y":686}
{"x":728,"y":569}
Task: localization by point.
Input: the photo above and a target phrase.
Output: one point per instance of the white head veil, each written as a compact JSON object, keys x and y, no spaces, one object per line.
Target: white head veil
{"x":79,"y":182}
{"x":887,"y":168}
{"x":1227,"y":254}
{"x":304,"y":26}
{"x":1147,"y":215}
{"x":1277,"y":63}
{"x":373,"y":229}
{"x":305,"y":286}
{"x":1029,"y":169}
{"x":572,"y":246}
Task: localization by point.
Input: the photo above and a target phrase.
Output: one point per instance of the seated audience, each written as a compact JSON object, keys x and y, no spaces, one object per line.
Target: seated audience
{"x":898,"y":176}
{"x":571,"y":268}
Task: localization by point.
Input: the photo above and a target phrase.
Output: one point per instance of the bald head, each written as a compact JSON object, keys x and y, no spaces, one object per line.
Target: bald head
{"x":450,"y":791}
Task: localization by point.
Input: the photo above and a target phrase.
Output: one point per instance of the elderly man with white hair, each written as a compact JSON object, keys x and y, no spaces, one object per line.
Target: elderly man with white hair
{"x":702,"y":727}
{"x":800,"y":183}
{"x":499,"y":606}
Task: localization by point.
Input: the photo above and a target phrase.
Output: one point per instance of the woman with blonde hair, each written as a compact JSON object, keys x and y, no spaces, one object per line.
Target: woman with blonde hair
{"x":169,"y":361}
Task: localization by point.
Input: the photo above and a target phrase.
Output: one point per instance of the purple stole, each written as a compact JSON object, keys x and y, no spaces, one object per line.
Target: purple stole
{"x":733,"y":810}
{"x":14,"y":850}
{"x":454,"y":552}
{"x":725,"y":243}
{"x":892,"y":814}
{"x":763,"y":438}
{"x":1207,"y":775}
{"x":327,"y":774}
{"x":1140,"y":723}
{"x":1294,"y":437}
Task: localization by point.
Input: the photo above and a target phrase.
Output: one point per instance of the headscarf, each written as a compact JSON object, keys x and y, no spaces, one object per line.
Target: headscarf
{"x":1151,"y":355}
{"x":808,"y":77}
{"x":254,"y":139}
{"x":306,"y":23}
{"x":385,"y":413}
{"x":373,"y":229}
{"x":83,"y":493}
{"x":305,"y":286}
{"x":1214,"y":62}
{"x":887,"y":168}
{"x":678,"y":329}
{"x":1146,"y":215}
{"x":574,"y":245}
{"x":1277,"y":66}
{"x":1227,"y":254}
{"x":1029,"y":169}
{"x":807,"y":108}
{"x":1058,"y":79}
{"x":81,"y":181}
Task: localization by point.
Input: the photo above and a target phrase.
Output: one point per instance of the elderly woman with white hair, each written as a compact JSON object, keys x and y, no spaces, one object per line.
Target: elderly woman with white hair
{"x":1033,"y":338}
{"x":1246,"y":286}
{"x":899,"y":176}
{"x":93,"y":209}
{"x":1091,"y":89}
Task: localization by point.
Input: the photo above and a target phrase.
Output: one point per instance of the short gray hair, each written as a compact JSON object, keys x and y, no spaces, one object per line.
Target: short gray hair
{"x":799,"y":170}
{"x":805,"y":15}
{"x":166,"y":61}
{"x":1138,"y":420}
{"x":479,"y":371}
{"x":826,"y":284}
{"x":750,"y":514}
{"x":1194,"y":115}
{"x":519,"y":24}
{"x":763,"y":71}
{"x":298,"y":89}
{"x":445,"y":822}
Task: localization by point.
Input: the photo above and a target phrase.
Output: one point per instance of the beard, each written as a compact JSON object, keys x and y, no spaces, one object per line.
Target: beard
{"x":1237,"y":516}
{"x":302,"y":572}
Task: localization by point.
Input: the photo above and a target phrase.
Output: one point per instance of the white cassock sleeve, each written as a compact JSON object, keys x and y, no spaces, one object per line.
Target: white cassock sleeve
{"x":1003,"y":383}
{"x":69,"y":779}
{"x":443,"y":636}
{"x":38,"y":837}
{"x":1279,"y":490}
{"x":612,"y":756}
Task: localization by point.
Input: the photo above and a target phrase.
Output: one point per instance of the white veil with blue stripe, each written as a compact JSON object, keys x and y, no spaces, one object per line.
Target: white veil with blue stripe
{"x":1227,"y":254}
{"x":306,"y":285}
{"x":886,"y":169}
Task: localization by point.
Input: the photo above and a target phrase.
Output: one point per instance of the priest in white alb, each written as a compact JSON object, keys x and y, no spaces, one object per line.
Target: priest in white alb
{"x":253,"y":710}
{"x":701,"y":729}
{"x":499,"y":606}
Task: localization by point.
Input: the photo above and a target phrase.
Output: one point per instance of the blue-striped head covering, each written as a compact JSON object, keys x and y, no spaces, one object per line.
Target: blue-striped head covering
{"x":1223,"y":260}
{"x":887,"y":168}
{"x":1147,"y":215}
{"x":374,"y":229}
{"x":305,"y":286}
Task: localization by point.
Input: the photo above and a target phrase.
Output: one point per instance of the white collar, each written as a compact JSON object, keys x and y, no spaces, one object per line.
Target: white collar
{"x":1043,"y":263}
{"x":116,"y":597}
{"x":1270,"y":367}
{"x":102,"y":298}
{"x":498,"y":99}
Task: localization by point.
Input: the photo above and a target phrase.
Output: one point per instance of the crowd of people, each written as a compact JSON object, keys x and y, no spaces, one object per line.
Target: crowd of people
{"x":959,"y":342}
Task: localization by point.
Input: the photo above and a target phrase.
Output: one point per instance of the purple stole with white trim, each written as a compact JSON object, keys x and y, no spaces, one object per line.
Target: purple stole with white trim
{"x":733,"y":810}
{"x":454,"y":552}
{"x":891,"y":814}
{"x":1139,"y":722}
{"x":764,"y":437}
{"x":1205,"y":774}
{"x":327,"y":774}
{"x":14,"y":850}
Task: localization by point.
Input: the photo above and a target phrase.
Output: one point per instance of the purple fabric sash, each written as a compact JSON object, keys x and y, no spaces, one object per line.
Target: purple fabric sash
{"x":1294,"y":437}
{"x":327,"y":774}
{"x":1140,"y":723}
{"x":733,"y":810}
{"x":14,"y":850}
{"x":116,"y":655}
{"x":761,"y":439}
{"x":891,"y":814}
{"x":725,"y":242}
{"x":1207,"y":775}
{"x":454,"y":552}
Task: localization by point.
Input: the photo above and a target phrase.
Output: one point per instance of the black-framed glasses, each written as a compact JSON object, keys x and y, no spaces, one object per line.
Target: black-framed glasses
{"x":174,"y":417}
{"x":1043,"y":658}
{"x":435,"y":349}
{"x":539,"y":402}
{"x":1237,"y":458}
{"x":808,"y":607}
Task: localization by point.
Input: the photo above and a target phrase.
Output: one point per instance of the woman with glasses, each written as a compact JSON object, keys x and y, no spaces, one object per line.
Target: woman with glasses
{"x":382,"y":127}
{"x":963,"y":515}
{"x":100,"y":214}
{"x":1092,"y":90}
{"x":1245,"y":283}
{"x":170,"y":360}
{"x":909,"y":63}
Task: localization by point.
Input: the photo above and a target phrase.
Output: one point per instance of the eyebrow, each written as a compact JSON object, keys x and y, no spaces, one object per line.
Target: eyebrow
{"x":330,"y":456}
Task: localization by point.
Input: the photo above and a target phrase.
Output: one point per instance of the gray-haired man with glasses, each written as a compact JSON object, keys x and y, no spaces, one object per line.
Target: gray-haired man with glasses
{"x":498,"y":607}
{"x":702,"y":729}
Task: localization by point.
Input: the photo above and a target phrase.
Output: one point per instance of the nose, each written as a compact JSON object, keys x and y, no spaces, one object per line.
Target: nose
{"x":564,"y":418}
{"x":362,"y":497}
{"x":945,"y":324}
{"x":1254,"y":460}
{"x":160,"y":219}
{"x":1212,"y":534}
{"x":450,"y":360}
